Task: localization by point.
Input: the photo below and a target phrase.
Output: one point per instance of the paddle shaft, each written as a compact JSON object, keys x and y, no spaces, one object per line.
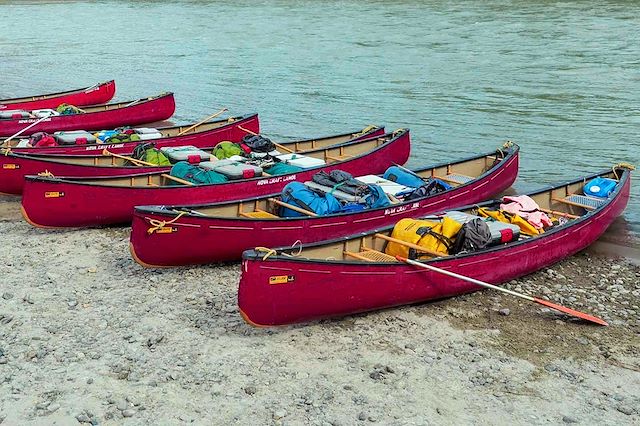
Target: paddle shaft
{"x":282,"y":147}
{"x":552,"y":305}
{"x":145,"y":163}
{"x":27,"y":128}
{"x":214,"y":115}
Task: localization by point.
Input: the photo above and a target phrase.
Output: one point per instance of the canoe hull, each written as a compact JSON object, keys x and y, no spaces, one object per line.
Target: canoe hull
{"x":94,"y":95}
{"x":305,"y":291}
{"x":79,"y":204}
{"x":156,"y":109}
{"x":13,"y":168}
{"x":229,"y":132}
{"x":191,"y":233}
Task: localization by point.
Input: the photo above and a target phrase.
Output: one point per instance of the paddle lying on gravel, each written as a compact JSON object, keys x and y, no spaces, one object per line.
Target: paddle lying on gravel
{"x":560,"y":308}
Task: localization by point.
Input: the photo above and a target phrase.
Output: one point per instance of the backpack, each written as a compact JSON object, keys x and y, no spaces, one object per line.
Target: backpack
{"x":224,"y":150}
{"x":41,"y":139}
{"x":258,"y":143}
{"x":474,"y":235}
{"x":300,"y":195}
{"x":431,"y":187}
{"x":437,"y":236}
{"x":195,"y":174}
{"x":149,"y":153}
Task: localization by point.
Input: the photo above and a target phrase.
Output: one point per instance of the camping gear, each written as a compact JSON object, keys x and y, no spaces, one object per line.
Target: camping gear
{"x":14,"y":114}
{"x":244,"y":224}
{"x":147,"y":133}
{"x":302,"y":161}
{"x":389,"y":187}
{"x":44,"y":112}
{"x":525,"y":207}
{"x":402,"y":176}
{"x":300,"y":195}
{"x":196,"y":174}
{"x":67,"y":109}
{"x":12,"y":178}
{"x":474,"y":235}
{"x":344,"y":181}
{"x":258,"y":143}
{"x":506,"y":217}
{"x":233,"y":169}
{"x":79,"y":137}
{"x":97,"y":117}
{"x":185,"y":153}
{"x":225,"y":150}
{"x":350,"y":275}
{"x":437,"y":236}
{"x":500,"y":232}
{"x":600,"y":187}
{"x":282,"y":169}
{"x":429,"y":187}
{"x":560,"y":308}
{"x":118,"y":195}
{"x":93,"y":95}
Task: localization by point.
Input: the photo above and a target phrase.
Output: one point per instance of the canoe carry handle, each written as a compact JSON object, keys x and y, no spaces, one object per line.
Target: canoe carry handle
{"x":214,"y":115}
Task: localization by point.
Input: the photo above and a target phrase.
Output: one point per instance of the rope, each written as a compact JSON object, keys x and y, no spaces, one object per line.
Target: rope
{"x":366,"y":130}
{"x":397,"y":131}
{"x":267,"y":250}
{"x":622,"y":165}
{"x":507,"y":145}
{"x":46,"y":173}
{"x":7,"y":151}
{"x":299,"y":251}
{"x":159,"y":224}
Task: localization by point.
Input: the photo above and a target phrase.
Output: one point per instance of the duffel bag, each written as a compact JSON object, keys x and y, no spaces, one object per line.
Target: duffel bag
{"x":403,"y":176}
{"x":298,"y":194}
{"x":435,"y":236}
{"x":195,"y":174}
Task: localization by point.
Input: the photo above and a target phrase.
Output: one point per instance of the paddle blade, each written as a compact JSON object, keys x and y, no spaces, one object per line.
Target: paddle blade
{"x":571,"y":312}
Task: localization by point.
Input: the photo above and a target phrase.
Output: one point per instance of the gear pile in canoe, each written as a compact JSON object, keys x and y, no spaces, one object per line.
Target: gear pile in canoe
{"x":325,"y":227}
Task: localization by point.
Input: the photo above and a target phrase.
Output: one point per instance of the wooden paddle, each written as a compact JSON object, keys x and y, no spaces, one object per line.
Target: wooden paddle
{"x":282,"y":147}
{"x":6,"y":141}
{"x":560,"y":308}
{"x":145,"y":163}
{"x":214,"y":115}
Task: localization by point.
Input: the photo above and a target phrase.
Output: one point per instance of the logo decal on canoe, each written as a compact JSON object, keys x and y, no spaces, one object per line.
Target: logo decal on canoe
{"x":165,"y":230}
{"x":278,"y":179}
{"x":53,"y":194}
{"x":281,"y":279}
{"x":11,"y":166}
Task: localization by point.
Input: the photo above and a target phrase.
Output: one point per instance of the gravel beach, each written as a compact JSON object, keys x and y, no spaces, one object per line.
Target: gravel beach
{"x":89,"y":336}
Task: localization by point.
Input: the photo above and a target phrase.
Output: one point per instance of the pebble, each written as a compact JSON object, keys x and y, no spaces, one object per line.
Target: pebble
{"x":53,"y":407}
{"x":362,"y":416}
{"x":83,"y":418}
{"x":7,"y":296}
{"x":122,"y":405}
{"x":72,"y":303}
{"x":280,"y":414}
{"x":568,"y":419}
{"x":625,"y":409}
{"x":504,"y":311}
{"x":129,"y":413}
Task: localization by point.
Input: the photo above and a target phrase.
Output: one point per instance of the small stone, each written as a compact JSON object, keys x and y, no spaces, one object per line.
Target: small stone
{"x":279,"y":414}
{"x":43,"y":405}
{"x":72,"y":303}
{"x":250,"y":390}
{"x":3,"y":360}
{"x":28,"y":299}
{"x":83,"y":418}
{"x":373,"y":419}
{"x":362,"y":416}
{"x":89,"y":380}
{"x":568,"y":419}
{"x":53,"y":407}
{"x":625,"y":409}
{"x":504,"y":311}
{"x":122,"y":405}
{"x":129,"y":413}
{"x":92,"y":270}
{"x":7,"y":296}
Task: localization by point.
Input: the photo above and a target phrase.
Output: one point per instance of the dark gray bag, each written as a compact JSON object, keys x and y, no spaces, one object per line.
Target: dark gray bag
{"x":474,"y":235}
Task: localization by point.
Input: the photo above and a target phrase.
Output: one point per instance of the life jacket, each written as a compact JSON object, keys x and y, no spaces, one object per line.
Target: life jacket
{"x":436,"y":236}
{"x":506,"y":217}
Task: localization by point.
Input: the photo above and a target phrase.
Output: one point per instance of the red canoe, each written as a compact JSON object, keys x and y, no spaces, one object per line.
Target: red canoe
{"x":96,"y":94}
{"x":160,"y":238}
{"x":205,"y":134}
{"x":329,"y":280}
{"x":69,"y":202}
{"x":14,"y":167}
{"x":98,"y":117}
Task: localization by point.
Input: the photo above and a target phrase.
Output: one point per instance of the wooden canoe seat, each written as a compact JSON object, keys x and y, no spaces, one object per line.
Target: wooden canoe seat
{"x":371,"y":255}
{"x":584,"y":201}
{"x":259,"y":214}
{"x":455,"y":178}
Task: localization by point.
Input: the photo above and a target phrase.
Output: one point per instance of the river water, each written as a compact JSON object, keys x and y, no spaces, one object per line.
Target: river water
{"x":562,"y":79}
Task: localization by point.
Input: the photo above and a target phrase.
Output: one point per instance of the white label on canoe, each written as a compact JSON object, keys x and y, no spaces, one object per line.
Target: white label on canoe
{"x":401,"y":209}
{"x":276,"y":180}
{"x":101,"y":146}
{"x":31,"y":120}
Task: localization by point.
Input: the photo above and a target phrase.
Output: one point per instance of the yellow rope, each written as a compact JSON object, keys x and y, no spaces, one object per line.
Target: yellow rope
{"x":7,"y":151}
{"x":397,"y":131}
{"x":507,"y":145}
{"x":366,"y":130}
{"x":267,"y":250}
{"x":622,"y":165}
{"x":159,"y":224}
{"x":46,"y":173}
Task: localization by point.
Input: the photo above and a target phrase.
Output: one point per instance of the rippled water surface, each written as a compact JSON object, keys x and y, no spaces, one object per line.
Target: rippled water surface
{"x":562,"y":79}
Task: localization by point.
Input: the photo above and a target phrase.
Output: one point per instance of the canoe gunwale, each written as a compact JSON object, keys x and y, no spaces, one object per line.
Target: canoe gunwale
{"x":49,"y":96}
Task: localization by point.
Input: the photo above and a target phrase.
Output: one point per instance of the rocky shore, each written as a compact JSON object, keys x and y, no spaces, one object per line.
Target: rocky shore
{"x":88,"y":336}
